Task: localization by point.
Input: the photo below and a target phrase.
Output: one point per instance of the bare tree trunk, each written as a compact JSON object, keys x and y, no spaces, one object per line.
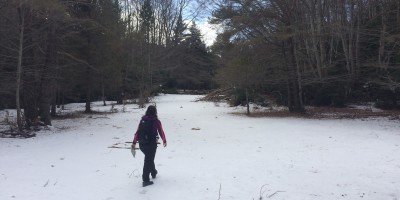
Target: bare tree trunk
{"x":298,"y":77}
{"x":315,"y":33}
{"x":53,"y":109}
{"x":88,"y":80}
{"x":54,"y":86}
{"x":19,"y":66}
{"x":88,"y":91}
{"x":357,"y":40}
{"x":351,"y":41}
{"x":295,"y":79}
{"x":103,"y":97}
{"x":345,"y":35}
{"x":398,"y":12}
{"x":295,"y":96}
{"x":289,"y":94}
{"x":127,"y":16}
{"x":62,"y":101}
{"x":381,"y":52}
{"x":322,"y":51}
{"x":47,"y":82}
{"x":247,"y":102}
{"x":149,"y":66}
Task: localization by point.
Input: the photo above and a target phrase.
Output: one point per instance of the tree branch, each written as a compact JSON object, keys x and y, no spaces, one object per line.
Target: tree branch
{"x":78,"y":60}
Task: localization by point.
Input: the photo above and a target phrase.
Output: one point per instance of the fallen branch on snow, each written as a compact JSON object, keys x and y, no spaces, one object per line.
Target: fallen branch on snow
{"x":114,"y":147}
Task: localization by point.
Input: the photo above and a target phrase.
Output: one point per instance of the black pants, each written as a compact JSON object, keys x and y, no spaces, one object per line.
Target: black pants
{"x":149,"y":151}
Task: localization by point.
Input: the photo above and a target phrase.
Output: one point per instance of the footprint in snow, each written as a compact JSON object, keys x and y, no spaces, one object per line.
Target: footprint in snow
{"x":143,"y":192}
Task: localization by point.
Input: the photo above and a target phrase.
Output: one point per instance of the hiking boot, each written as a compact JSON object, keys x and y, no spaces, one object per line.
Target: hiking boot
{"x":146,"y":183}
{"x":154,"y":174}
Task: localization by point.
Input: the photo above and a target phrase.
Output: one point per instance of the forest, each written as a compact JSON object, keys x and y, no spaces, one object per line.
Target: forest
{"x":294,"y":52}
{"x":306,"y":52}
{"x":54,"y":52}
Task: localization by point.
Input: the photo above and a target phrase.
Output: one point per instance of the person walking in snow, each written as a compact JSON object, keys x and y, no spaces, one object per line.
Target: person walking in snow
{"x":147,"y":133}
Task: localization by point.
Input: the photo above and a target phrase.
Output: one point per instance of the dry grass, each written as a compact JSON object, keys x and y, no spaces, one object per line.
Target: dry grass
{"x":328,"y":113}
{"x":82,"y":114}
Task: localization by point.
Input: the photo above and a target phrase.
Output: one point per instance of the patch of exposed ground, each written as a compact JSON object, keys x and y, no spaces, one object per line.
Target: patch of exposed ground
{"x":328,"y":113}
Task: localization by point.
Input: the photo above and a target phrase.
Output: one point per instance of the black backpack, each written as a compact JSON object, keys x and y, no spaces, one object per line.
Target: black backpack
{"x":145,"y":136}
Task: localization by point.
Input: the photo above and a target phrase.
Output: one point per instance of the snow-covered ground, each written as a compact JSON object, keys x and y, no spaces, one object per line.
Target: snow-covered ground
{"x":230,"y":157}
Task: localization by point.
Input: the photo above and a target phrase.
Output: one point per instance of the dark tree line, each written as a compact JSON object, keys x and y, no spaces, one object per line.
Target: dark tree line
{"x":306,"y":52}
{"x":57,"y":51}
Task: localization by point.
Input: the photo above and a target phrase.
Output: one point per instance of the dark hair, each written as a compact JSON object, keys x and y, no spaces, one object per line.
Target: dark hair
{"x":151,"y":111}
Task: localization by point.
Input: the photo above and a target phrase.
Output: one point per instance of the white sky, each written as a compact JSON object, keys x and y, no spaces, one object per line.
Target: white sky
{"x":208,"y":31}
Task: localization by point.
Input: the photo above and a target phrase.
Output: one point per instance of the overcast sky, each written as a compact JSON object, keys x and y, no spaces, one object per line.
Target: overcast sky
{"x":208,"y":31}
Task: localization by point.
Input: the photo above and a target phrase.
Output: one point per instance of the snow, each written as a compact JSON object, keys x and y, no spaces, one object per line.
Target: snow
{"x":229,"y":157}
{"x":368,"y":106}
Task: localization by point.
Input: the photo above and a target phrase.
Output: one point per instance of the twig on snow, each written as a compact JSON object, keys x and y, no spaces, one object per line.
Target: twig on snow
{"x":101,"y":117}
{"x":262,"y":191}
{"x":276,"y":192}
{"x":219,"y":192}
{"x":45,"y":185}
{"x":133,"y":173}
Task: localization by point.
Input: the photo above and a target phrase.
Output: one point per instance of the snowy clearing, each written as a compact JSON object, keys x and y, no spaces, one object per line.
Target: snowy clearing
{"x":211,"y":154}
